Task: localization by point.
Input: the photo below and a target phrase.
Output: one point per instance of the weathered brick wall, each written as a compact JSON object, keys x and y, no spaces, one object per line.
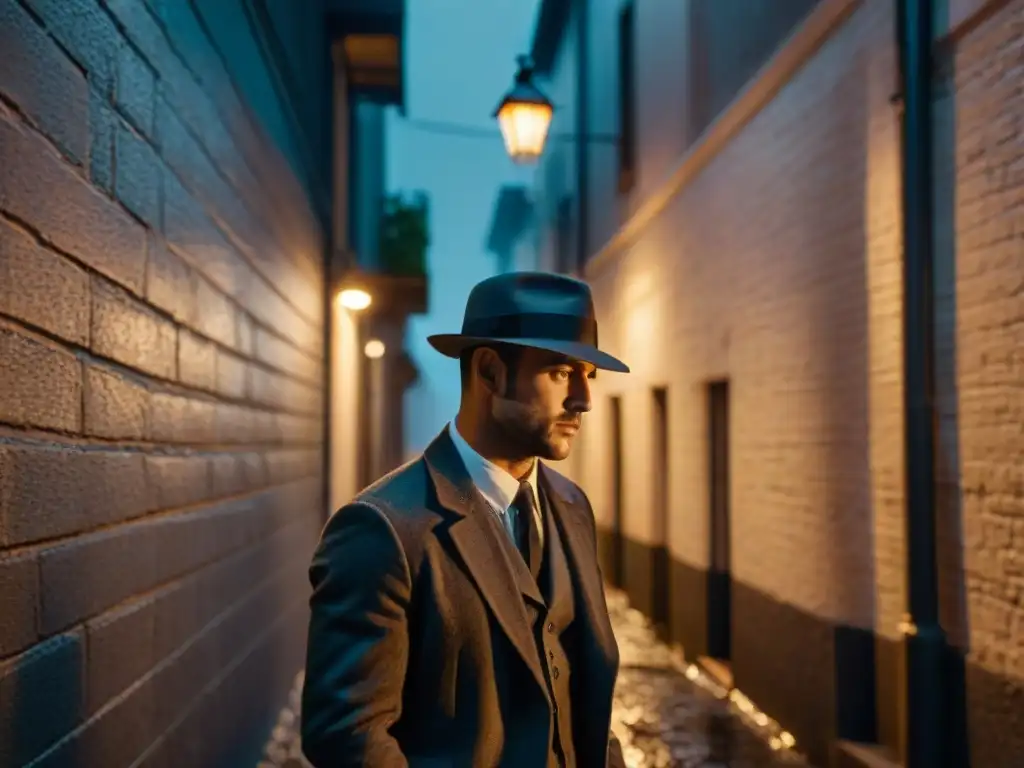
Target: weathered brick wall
{"x":160,"y":392}
{"x":728,"y":43}
{"x":985,"y":105}
{"x":778,"y":266}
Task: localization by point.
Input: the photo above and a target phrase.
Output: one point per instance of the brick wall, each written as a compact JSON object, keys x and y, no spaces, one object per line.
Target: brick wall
{"x":777,"y":265}
{"x":160,"y":393}
{"x":728,"y":43}
{"x":985,"y":405}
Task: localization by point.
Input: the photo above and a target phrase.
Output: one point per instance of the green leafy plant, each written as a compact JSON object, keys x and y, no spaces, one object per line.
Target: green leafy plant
{"x":405,"y":234}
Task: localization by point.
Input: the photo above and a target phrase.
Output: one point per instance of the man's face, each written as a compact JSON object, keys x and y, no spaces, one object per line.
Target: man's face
{"x":540,"y":410}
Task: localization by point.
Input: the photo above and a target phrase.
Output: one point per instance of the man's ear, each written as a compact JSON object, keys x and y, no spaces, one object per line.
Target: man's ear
{"x":491,"y":370}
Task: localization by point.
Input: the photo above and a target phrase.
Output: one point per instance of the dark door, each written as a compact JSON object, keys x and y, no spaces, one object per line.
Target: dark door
{"x":719,"y":578}
{"x":659,"y":477}
{"x":618,"y":554}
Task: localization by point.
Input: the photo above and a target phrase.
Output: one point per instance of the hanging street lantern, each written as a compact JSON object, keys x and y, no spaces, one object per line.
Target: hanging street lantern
{"x":524,"y":116}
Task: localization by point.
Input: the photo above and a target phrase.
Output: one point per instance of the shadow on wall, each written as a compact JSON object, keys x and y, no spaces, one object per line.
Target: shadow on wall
{"x":158,"y":690}
{"x":41,"y":700}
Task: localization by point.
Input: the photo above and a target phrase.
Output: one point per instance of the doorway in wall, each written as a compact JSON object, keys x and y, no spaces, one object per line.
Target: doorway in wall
{"x":660,"y":574}
{"x":618,"y":543}
{"x":719,"y":585}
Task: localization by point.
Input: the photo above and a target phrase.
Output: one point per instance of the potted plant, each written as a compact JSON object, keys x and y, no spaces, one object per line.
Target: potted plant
{"x":404,"y":234}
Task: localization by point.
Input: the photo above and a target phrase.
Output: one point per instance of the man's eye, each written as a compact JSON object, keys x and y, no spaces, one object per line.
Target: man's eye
{"x":562,"y":375}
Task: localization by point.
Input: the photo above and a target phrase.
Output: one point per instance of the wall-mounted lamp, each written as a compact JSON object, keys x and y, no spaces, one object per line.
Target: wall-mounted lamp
{"x":355,"y":299}
{"x":374,"y":349}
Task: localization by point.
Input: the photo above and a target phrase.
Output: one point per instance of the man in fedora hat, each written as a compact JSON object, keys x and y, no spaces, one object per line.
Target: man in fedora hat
{"x":458,"y":615}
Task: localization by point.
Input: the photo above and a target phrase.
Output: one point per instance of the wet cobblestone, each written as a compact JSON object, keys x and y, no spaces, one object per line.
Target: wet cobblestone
{"x":667,"y":714}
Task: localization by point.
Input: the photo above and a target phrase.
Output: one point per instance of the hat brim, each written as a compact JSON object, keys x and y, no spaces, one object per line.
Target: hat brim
{"x":454,"y":344}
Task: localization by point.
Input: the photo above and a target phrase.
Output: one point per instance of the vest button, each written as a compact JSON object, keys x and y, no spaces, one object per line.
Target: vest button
{"x":554,"y":673}
{"x":551,"y":627}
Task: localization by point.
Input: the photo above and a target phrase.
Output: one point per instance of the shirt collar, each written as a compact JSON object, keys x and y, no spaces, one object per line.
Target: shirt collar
{"x":496,"y":485}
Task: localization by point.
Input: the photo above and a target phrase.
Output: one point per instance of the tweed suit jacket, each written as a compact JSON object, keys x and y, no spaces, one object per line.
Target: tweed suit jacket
{"x":420,"y":651}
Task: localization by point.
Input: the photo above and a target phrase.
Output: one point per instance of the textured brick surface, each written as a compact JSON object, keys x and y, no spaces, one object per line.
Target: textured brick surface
{"x":109,"y":669}
{"x":216,"y":314}
{"x":136,"y":93}
{"x":87,"y":31}
{"x":41,"y":696}
{"x":246,"y":335}
{"x":177,"y":481}
{"x":19,"y":601}
{"x":126,"y":330}
{"x":81,"y":221}
{"x":986,"y":199}
{"x":154,"y":539}
{"x":138,"y":176}
{"x":40,"y":288}
{"x":778,"y":266}
{"x":232,"y":375}
{"x":179,"y":419}
{"x":102,"y":127}
{"x":170,"y":282}
{"x":41,"y":383}
{"x":191,"y":231}
{"x":116,"y":406}
{"x":197,"y":361}
{"x":50,"y":491}
{"x":278,"y":353}
{"x":42,"y":81}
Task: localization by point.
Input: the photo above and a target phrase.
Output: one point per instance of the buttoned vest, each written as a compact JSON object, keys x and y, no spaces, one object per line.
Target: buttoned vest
{"x":550,"y":606}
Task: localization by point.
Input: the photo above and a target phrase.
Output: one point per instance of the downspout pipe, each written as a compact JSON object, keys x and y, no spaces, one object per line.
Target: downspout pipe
{"x":582,"y":134}
{"x":925,"y":731}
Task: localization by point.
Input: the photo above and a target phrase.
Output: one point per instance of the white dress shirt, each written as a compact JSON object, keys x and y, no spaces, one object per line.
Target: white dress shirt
{"x":497,"y":486}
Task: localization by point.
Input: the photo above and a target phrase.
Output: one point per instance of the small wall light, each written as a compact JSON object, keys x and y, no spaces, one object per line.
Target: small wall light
{"x":355,"y":299}
{"x":374,"y":349}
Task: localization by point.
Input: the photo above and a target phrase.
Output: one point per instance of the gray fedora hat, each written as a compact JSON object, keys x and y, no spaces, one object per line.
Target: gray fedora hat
{"x":531,"y":309}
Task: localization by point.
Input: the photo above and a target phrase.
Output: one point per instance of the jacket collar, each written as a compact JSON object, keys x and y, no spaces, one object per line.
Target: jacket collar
{"x":497,"y":486}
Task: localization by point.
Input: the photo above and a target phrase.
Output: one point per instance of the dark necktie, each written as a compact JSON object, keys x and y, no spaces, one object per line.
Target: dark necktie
{"x":528,"y":532}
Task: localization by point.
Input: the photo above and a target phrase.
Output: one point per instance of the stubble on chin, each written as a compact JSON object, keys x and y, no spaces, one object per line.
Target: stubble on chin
{"x":524,"y":424}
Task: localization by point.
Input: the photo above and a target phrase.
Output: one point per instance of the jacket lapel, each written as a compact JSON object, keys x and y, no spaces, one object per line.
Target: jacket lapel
{"x":577,"y":531}
{"x":476,"y":534}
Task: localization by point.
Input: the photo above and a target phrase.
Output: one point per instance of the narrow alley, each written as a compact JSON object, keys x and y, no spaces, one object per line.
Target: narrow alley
{"x":257,"y":254}
{"x":667,"y":714}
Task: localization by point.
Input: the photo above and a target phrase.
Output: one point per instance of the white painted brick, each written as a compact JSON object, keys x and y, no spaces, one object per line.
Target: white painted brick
{"x":779,"y":266}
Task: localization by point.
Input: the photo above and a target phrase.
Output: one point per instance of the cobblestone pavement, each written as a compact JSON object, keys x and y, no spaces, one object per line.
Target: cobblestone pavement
{"x":667,"y":714}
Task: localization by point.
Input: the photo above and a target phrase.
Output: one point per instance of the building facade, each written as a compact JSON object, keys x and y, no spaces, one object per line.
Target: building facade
{"x":730,"y":185}
{"x":169,"y":258}
{"x":510,"y":236}
{"x":367,"y":392}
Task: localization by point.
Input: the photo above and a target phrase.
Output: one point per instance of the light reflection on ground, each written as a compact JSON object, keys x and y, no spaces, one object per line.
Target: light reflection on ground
{"x":666,"y":713}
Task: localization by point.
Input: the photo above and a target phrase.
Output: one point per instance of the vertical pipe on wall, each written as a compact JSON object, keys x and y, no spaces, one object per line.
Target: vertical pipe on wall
{"x":327,"y":382}
{"x":925,"y":642}
{"x":582,"y":133}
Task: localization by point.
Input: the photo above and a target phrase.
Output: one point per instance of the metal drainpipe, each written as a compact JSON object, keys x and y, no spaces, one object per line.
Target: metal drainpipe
{"x":327,"y":223}
{"x":328,"y":378}
{"x":925,"y":733}
{"x":582,"y":133}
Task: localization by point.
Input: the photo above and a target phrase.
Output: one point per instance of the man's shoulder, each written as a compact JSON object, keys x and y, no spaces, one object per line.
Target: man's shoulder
{"x":402,"y":498}
{"x":402,"y":489}
{"x":563,"y":486}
